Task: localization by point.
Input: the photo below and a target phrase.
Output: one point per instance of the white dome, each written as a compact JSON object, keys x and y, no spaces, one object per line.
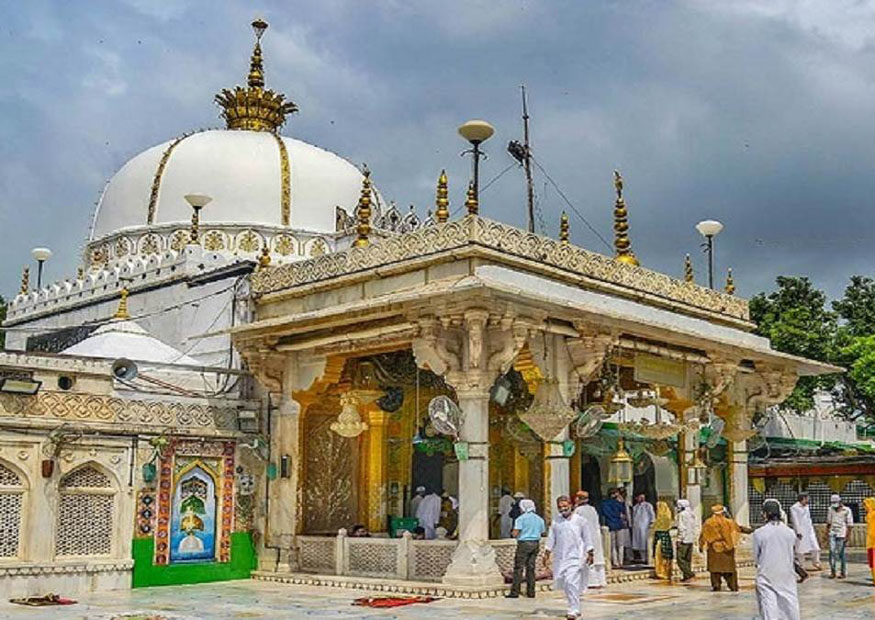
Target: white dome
{"x":241,"y":171}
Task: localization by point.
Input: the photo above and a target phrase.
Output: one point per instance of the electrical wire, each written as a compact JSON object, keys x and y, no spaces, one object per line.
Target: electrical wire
{"x":485,"y":187}
{"x":571,"y":206}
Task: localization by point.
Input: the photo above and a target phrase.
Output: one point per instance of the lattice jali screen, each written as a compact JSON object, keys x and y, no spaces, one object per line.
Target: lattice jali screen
{"x":373,"y":558}
{"x":11,"y":501}
{"x":85,"y":514}
{"x":316,"y":555}
{"x":430,"y":560}
{"x":853,"y":495}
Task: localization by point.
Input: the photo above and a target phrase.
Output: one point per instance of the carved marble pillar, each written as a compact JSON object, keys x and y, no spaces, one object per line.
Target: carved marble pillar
{"x":283,"y":490}
{"x":739,"y":504}
{"x":377,"y":467}
{"x":693,"y":492}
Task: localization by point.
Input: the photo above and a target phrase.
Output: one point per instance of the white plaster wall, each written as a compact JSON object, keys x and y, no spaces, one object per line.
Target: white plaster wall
{"x":175,"y":313}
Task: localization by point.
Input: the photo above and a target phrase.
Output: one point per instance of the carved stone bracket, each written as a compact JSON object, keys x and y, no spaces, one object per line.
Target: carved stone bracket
{"x":268,"y":366}
{"x":588,"y":351}
{"x":720,"y":374}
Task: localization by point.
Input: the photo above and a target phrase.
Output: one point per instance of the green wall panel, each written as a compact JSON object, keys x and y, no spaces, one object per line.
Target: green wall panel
{"x":146,"y":574}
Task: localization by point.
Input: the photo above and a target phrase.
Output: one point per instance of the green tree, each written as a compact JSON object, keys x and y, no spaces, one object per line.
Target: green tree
{"x":855,"y":348}
{"x":796,"y":319}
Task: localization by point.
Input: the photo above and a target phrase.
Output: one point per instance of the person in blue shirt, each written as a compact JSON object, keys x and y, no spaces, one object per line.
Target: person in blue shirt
{"x":527,"y":529}
{"x":614,"y":512}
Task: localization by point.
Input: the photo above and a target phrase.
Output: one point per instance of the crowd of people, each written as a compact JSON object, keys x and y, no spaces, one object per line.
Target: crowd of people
{"x":576,"y":556}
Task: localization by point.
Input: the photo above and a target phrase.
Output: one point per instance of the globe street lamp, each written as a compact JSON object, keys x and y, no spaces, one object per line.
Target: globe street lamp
{"x":709,"y":229}
{"x":197,"y":202}
{"x":40,"y":255}
{"x":476,"y":132}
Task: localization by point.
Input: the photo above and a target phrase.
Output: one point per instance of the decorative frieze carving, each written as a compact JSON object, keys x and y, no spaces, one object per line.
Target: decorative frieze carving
{"x":72,"y":406}
{"x":473,"y":231}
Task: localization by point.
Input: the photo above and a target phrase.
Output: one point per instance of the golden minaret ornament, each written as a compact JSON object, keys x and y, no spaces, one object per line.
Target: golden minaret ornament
{"x":121,"y":312}
{"x":730,"y":283}
{"x":622,"y":245}
{"x":363,"y":212}
{"x":264,"y":259}
{"x":471,"y":201}
{"x":25,"y":281}
{"x":442,"y":201}
{"x":688,"y":269}
{"x":563,"y":229}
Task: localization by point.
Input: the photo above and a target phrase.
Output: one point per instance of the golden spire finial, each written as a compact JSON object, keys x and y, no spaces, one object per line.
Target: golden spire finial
{"x":255,"y":108}
{"x":122,"y":310}
{"x":730,"y":283}
{"x":264,"y":259}
{"x":363,"y":211}
{"x":688,"y":269}
{"x":471,"y":201}
{"x":256,"y":62}
{"x":622,"y":245}
{"x":442,"y":202}
{"x":563,"y":229}
{"x":25,"y":281}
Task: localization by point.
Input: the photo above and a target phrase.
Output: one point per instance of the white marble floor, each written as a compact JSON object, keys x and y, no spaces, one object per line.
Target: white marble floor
{"x":821,"y":598}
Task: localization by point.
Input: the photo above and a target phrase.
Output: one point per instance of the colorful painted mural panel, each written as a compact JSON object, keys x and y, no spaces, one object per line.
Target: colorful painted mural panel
{"x":193,"y":525}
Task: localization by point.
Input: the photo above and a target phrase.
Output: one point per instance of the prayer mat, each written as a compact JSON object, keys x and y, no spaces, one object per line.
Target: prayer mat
{"x":42,"y":601}
{"x":391,"y":601}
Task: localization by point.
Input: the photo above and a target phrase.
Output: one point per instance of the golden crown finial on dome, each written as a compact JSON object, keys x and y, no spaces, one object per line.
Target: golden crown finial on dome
{"x":688,"y":269}
{"x":730,"y":283}
{"x":255,"y":108}
{"x":564,"y":232}
{"x":471,"y":202}
{"x":622,"y":245}
{"x":25,"y":281}
{"x":442,"y":201}
{"x":363,"y":211}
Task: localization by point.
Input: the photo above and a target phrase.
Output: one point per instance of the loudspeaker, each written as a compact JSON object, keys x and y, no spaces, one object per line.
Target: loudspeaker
{"x":124,"y":369}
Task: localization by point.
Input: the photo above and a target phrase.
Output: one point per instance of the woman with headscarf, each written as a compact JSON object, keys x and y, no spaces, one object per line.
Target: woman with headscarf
{"x":720,"y":536}
{"x":869,"y":505}
{"x":527,"y":529}
{"x":663,"y":554}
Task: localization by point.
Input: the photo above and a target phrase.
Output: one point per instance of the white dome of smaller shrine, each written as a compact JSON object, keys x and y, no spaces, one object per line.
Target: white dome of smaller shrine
{"x":126,"y":339}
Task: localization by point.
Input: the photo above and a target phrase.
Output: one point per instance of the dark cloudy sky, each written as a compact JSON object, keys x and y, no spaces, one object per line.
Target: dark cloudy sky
{"x":759,"y":114}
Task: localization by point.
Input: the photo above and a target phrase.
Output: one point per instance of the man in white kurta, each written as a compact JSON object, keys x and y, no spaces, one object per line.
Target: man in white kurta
{"x":595,"y":576}
{"x":429,"y":514}
{"x":806,"y":538}
{"x":505,"y":523}
{"x":642,"y":518}
{"x":415,"y":500}
{"x":571,"y":548}
{"x":774,"y":552}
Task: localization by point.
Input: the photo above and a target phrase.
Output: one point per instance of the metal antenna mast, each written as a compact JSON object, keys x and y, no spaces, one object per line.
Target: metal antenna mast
{"x":527,"y":162}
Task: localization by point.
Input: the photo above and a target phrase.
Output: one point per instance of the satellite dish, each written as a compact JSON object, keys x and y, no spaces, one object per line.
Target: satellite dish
{"x":124,"y":368}
{"x":445,"y":416}
{"x":716,"y":426}
{"x":590,"y":422}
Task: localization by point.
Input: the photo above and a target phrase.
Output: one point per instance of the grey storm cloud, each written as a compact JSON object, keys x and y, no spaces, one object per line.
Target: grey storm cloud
{"x":754,"y":113}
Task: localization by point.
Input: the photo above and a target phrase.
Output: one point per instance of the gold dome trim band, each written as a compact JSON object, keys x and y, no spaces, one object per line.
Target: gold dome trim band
{"x":156,"y":180}
{"x":285,"y":182}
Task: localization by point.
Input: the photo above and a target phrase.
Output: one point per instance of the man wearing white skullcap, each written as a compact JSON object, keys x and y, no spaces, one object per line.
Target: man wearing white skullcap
{"x":839,"y":520}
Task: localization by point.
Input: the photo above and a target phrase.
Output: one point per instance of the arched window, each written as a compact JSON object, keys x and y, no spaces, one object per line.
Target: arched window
{"x":11,"y":507}
{"x":86,"y":508}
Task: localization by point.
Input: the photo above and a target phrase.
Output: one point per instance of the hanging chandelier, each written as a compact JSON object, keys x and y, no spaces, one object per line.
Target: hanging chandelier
{"x":349,"y":422}
{"x":548,"y":414}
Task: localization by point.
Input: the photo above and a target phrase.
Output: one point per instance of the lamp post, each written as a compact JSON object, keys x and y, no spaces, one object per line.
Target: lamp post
{"x":197,"y":202}
{"x":476,"y":132}
{"x":40,"y":255}
{"x":709,"y":229}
